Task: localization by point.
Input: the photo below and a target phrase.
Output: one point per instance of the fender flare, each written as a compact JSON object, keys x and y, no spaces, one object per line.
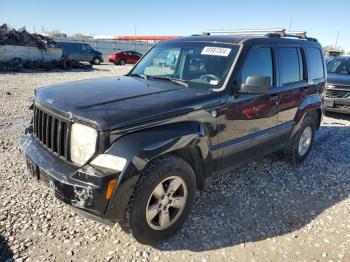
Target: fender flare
{"x":310,"y":104}
{"x":139,"y":148}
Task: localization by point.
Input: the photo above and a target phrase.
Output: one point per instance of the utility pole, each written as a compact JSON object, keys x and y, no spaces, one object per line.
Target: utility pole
{"x":135,"y":37}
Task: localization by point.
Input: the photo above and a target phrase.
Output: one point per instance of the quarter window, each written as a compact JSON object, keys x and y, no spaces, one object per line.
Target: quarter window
{"x":291,"y":64}
{"x":315,"y":63}
{"x":258,"y":63}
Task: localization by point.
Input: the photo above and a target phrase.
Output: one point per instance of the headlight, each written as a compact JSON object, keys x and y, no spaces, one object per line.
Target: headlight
{"x":82,"y":143}
{"x":329,"y":86}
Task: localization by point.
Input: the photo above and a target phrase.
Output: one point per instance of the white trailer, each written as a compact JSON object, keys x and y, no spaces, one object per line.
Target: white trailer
{"x":29,"y":53}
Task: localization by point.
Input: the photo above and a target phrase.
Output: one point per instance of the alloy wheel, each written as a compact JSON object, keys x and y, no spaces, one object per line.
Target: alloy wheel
{"x":166,"y":203}
{"x":305,"y":141}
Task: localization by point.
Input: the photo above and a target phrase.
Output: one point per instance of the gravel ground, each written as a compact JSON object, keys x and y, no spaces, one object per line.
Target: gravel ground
{"x":267,"y":210}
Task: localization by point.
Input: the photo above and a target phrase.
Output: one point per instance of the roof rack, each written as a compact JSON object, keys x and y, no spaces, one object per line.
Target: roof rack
{"x":280,"y":31}
{"x":273,"y":32}
{"x":300,"y":34}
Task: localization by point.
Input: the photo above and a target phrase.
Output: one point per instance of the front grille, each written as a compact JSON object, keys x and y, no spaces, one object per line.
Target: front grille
{"x":52,"y":132}
{"x":335,"y":93}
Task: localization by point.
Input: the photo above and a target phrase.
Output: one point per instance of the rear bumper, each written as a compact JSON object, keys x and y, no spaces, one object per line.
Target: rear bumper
{"x":83,"y":188}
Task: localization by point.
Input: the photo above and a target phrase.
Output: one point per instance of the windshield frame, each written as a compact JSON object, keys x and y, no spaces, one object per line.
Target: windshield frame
{"x":230,"y":68}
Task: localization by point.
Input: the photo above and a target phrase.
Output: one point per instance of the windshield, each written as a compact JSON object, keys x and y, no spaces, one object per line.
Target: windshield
{"x":339,"y":66}
{"x":198,"y":64}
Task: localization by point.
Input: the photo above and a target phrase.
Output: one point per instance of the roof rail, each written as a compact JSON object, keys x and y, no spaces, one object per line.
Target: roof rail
{"x":273,"y":32}
{"x":299,"y":34}
{"x":276,"y":31}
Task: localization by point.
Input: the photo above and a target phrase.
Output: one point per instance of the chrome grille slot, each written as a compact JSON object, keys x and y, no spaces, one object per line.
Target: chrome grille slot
{"x":52,"y":132}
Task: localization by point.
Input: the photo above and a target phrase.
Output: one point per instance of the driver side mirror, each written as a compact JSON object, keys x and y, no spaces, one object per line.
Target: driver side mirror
{"x":256,"y":85}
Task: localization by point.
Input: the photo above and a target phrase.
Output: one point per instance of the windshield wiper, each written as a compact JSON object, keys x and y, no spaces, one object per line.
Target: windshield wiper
{"x":172,"y":79}
{"x":140,"y":75}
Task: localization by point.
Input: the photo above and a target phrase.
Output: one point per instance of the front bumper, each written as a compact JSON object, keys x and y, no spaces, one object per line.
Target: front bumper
{"x":83,"y":188}
{"x":340,"y":105}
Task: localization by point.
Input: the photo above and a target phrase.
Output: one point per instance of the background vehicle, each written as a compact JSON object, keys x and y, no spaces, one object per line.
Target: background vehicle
{"x":338,"y":85}
{"x":80,"y":52}
{"x":134,"y":149}
{"x":124,"y":57}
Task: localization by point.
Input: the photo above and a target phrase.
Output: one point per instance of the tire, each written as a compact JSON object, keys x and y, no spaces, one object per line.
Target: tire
{"x":306,"y":133}
{"x":67,"y":64}
{"x":96,"y":61}
{"x":122,"y":62}
{"x":163,"y":171}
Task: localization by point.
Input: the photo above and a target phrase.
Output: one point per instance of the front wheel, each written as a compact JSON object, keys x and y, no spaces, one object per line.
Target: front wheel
{"x":162,"y":200}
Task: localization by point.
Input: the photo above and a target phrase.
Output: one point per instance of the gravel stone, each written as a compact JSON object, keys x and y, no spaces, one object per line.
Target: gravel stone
{"x":266,"y":210}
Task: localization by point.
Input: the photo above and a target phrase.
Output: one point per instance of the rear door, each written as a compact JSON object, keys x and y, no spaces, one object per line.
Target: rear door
{"x":130,"y":58}
{"x":293,"y":85}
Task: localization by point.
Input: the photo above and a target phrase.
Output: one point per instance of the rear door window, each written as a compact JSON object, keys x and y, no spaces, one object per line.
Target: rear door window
{"x":315,"y":63}
{"x":291,"y":65}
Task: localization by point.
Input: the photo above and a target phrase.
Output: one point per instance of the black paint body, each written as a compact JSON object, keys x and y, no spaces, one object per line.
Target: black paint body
{"x":140,"y":120}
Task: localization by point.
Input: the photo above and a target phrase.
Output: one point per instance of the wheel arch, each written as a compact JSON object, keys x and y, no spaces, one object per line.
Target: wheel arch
{"x":310,"y":106}
{"x":186,"y":140}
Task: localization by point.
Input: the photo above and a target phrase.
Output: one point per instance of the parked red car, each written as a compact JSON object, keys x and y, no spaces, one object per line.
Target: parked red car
{"x":124,"y":57}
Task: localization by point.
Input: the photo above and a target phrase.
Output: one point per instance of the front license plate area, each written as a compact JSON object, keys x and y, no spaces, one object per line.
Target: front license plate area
{"x":329,"y":102}
{"x":33,"y":168}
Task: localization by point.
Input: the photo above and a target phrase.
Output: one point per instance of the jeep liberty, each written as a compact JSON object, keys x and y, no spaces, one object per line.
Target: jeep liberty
{"x":134,"y":149}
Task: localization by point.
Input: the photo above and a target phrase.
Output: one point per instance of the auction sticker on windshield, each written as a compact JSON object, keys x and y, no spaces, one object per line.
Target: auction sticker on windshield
{"x":217,"y":51}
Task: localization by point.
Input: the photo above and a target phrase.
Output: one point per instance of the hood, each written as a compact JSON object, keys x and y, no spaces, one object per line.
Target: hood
{"x":339,"y":79}
{"x":116,"y":102}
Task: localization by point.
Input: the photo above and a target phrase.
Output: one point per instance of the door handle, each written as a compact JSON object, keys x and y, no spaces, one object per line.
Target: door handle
{"x":275,"y":99}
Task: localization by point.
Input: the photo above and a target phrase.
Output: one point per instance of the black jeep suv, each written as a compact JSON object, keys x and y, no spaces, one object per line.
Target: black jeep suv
{"x":134,"y":149}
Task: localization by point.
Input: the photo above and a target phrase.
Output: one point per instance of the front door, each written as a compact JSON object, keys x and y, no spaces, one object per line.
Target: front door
{"x":248,"y":121}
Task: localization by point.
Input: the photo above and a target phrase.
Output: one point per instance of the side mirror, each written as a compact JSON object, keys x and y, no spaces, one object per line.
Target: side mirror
{"x":256,"y":85}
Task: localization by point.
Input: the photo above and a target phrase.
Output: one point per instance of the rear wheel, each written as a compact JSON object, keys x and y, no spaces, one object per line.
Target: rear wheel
{"x":122,"y":62}
{"x":162,"y":200}
{"x":96,"y":61}
{"x":302,"y":142}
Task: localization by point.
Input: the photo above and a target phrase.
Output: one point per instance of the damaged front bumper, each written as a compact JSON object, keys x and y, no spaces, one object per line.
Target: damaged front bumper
{"x":83,"y":188}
